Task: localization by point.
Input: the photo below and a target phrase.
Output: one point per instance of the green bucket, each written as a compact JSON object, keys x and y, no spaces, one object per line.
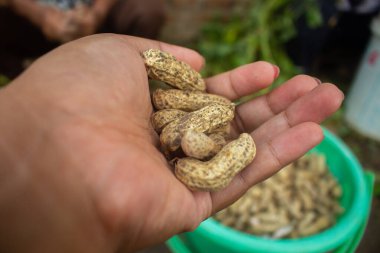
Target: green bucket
{"x":344,"y":236}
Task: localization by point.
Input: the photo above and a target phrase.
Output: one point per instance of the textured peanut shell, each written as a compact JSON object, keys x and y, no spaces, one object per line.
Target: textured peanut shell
{"x":200,"y":146}
{"x":165,"y":67}
{"x":218,"y":139}
{"x":185,"y":100}
{"x":163,"y":117}
{"x":204,"y":120}
{"x":218,"y":172}
{"x":224,"y":131}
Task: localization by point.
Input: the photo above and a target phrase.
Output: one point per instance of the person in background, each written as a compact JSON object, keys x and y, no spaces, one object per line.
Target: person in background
{"x":344,"y":33}
{"x":30,"y":28}
{"x":358,"y":6}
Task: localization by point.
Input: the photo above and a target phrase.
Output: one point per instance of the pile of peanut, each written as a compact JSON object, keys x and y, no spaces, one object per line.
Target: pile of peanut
{"x":194,"y":126}
{"x":301,"y":200}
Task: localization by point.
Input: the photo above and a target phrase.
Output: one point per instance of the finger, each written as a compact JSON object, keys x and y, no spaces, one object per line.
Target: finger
{"x":272,"y":155}
{"x":243,"y":80}
{"x":282,"y":149}
{"x":314,"y":105}
{"x":253,"y":113}
{"x":191,"y":57}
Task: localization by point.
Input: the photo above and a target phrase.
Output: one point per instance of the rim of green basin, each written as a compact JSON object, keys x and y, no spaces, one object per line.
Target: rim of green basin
{"x":329,"y":239}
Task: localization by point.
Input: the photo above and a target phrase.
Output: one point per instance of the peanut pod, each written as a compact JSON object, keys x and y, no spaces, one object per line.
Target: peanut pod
{"x":163,"y":117}
{"x":200,"y":146}
{"x":319,"y":224}
{"x":218,"y":172}
{"x":218,"y":139}
{"x":166,"y":68}
{"x":185,"y":100}
{"x":204,"y":120}
{"x":224,"y":131}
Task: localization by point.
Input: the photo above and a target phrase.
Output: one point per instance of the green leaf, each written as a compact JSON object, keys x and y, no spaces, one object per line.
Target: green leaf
{"x":313,"y":17}
{"x":3,"y":80}
{"x":256,"y":32}
{"x":376,"y":189}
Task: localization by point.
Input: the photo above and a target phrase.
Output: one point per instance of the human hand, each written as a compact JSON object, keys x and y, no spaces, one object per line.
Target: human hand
{"x":86,"y":20}
{"x":82,"y":158}
{"x":64,"y":26}
{"x":4,"y":2}
{"x":58,"y":25}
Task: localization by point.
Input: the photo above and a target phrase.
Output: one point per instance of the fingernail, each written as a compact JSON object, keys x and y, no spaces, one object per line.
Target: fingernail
{"x":276,"y":71}
{"x":317,"y":80}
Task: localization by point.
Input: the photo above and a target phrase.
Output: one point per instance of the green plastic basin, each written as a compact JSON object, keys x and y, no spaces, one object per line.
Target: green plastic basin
{"x":344,"y":236}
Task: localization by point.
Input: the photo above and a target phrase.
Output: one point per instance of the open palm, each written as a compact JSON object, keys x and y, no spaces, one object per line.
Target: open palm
{"x":107,"y":185}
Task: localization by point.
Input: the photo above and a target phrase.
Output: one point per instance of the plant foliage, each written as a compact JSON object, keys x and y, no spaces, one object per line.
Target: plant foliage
{"x":256,"y":30}
{"x":3,"y":80}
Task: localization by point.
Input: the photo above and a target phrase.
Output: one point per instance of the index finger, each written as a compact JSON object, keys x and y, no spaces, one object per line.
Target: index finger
{"x":243,"y":80}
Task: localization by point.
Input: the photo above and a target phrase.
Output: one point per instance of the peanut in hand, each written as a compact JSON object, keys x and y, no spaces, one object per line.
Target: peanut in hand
{"x":185,"y":100}
{"x":162,"y":118}
{"x":166,"y":68}
{"x":204,"y":120}
{"x":218,"y":172}
{"x":200,"y":146}
{"x":197,"y":121}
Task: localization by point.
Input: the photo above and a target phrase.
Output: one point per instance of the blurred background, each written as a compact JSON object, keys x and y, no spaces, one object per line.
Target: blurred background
{"x":335,"y":41}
